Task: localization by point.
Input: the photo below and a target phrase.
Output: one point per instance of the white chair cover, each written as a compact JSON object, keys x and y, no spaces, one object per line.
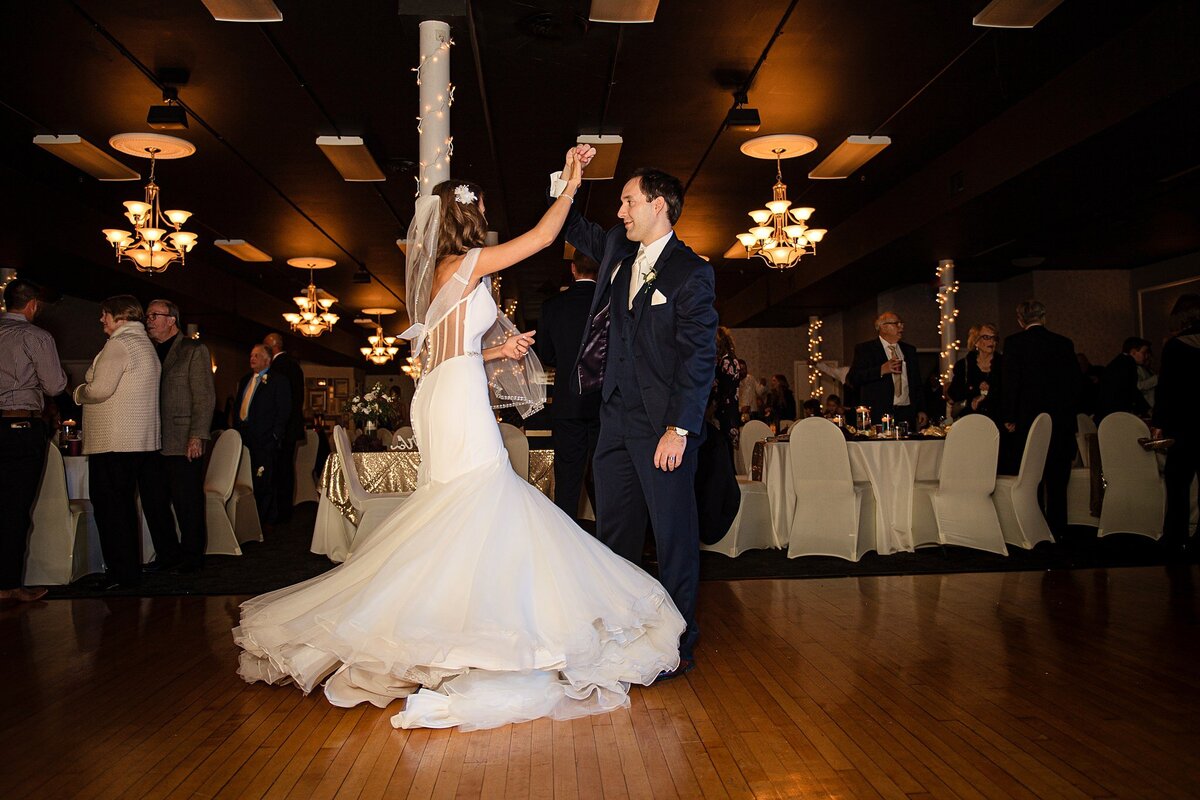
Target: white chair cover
{"x":751,"y":529}
{"x":372,"y":508}
{"x":404,"y":439}
{"x":241,"y":506}
{"x":1135,"y":498}
{"x":385,"y":436}
{"x":962,"y":504}
{"x":1016,"y":497}
{"x":1084,"y":425}
{"x":829,"y":519}
{"x":306,"y":462}
{"x":63,"y":542}
{"x":1079,"y":498}
{"x":753,"y":432}
{"x":517,"y":445}
{"x":218,"y":489}
{"x":784,"y":425}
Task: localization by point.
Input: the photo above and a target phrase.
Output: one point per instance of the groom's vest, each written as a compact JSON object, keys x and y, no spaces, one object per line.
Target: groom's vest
{"x":620,"y":374}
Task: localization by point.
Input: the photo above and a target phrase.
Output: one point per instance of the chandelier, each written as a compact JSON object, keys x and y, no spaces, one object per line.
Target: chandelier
{"x":383,"y":348}
{"x":151,"y":246}
{"x":780,"y":236}
{"x":413,"y":368}
{"x":312,"y":317}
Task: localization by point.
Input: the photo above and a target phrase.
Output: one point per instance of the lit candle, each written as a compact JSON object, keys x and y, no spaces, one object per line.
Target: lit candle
{"x":838,"y":420}
{"x":862,"y":418}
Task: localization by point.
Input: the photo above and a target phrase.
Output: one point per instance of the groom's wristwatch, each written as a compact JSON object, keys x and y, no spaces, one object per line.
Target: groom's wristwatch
{"x":677,"y":431}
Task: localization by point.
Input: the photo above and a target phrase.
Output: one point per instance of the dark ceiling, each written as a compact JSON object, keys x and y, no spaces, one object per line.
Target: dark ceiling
{"x":1074,"y":142}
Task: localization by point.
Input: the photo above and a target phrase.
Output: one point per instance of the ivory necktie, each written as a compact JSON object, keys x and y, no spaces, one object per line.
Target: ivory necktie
{"x":248,"y":396}
{"x":641,"y":265}
{"x":897,"y":378}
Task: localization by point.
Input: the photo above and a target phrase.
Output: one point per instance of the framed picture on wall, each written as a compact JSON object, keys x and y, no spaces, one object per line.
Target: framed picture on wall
{"x":316,"y":400}
{"x":341,"y":387}
{"x":315,"y":384}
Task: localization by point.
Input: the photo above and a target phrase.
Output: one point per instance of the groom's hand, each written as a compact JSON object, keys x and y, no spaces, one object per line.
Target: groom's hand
{"x":669,"y":453}
{"x":581,"y":153}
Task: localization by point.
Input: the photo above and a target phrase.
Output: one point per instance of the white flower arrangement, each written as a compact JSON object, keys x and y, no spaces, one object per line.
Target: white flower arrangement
{"x":464,"y":195}
{"x":375,"y":406}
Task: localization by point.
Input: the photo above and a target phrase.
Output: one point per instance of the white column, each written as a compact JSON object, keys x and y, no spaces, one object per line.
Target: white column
{"x":947,"y":314}
{"x":436,"y":95}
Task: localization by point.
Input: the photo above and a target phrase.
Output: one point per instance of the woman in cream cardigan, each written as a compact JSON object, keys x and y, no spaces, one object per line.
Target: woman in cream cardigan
{"x":120,"y":428}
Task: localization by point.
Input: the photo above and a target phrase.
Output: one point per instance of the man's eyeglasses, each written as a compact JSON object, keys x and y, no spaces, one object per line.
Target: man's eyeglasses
{"x":892,"y":322}
{"x":153,"y":315}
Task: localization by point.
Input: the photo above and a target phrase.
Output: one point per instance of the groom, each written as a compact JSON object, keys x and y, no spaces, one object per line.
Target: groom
{"x":650,"y":348}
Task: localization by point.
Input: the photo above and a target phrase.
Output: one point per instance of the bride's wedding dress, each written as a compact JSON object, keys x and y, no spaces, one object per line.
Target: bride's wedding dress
{"x":478,"y":599}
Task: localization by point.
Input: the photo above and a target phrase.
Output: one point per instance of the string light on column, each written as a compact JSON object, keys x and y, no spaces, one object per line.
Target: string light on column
{"x":435,"y":108}
{"x":814,"y":357}
{"x":947,"y":314}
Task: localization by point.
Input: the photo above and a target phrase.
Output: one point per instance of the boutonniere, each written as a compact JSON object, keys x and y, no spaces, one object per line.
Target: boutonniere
{"x":265,"y":378}
{"x":260,"y":471}
{"x":648,"y":278}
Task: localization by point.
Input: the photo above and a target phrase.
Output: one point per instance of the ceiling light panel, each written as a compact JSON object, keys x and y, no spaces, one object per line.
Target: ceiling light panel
{"x":242,"y":249}
{"x":243,"y":10}
{"x":608,"y":150}
{"x":849,"y":156}
{"x":623,"y":10}
{"x":1014,"y":13}
{"x":83,"y":155}
{"x":350,"y":157}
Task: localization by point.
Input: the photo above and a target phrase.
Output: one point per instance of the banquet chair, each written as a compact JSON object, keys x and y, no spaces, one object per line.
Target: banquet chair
{"x":241,"y":506}
{"x":1016,"y":497}
{"x":1135,"y":497}
{"x":306,"y":462}
{"x":218,"y":490}
{"x":833,"y":516}
{"x":962,"y":502}
{"x":371,"y":508}
{"x":404,"y":439}
{"x":517,"y":445}
{"x":385,"y":436}
{"x":753,"y":432}
{"x":63,"y":542}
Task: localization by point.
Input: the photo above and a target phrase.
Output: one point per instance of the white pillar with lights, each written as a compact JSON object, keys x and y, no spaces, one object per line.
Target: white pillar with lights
{"x":947,"y":314}
{"x":436,"y":96}
{"x":814,"y":357}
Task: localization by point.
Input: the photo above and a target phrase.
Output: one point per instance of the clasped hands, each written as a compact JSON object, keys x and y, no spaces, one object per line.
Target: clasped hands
{"x":578,"y":157}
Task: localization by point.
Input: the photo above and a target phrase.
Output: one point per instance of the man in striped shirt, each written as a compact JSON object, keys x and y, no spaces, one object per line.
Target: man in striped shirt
{"x":29,"y":371}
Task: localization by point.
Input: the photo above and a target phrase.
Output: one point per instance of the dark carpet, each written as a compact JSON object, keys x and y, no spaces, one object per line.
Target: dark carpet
{"x":284,"y":559}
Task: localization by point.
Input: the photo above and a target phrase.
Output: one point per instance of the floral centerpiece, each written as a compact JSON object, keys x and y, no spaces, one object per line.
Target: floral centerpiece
{"x":373,"y":408}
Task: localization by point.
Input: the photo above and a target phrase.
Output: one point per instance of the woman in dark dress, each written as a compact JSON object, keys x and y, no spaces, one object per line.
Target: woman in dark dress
{"x":726,"y":414}
{"x":975,"y":388}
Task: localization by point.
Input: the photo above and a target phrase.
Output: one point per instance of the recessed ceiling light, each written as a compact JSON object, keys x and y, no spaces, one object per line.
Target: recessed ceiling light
{"x":351,"y":158}
{"x":243,"y":10}
{"x":80,"y":153}
{"x":242,"y":249}
{"x":849,"y":156}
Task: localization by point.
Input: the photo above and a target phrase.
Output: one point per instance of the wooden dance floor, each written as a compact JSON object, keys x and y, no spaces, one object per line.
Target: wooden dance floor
{"x":1055,"y":684}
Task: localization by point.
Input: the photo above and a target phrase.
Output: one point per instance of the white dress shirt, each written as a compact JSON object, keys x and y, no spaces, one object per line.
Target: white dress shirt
{"x":901,"y":399}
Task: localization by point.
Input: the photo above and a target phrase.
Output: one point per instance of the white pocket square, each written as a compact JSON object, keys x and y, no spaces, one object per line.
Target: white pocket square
{"x":658,"y":298}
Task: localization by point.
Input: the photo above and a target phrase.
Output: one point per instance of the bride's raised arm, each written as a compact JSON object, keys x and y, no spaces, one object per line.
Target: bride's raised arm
{"x":502,"y":256}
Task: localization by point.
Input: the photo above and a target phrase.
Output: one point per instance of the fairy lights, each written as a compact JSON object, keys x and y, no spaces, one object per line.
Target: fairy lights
{"x":436,"y":98}
{"x":814,"y":357}
{"x":947,"y":314}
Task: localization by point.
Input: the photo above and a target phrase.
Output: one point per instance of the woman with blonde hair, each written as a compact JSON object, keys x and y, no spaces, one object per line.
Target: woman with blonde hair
{"x":478,"y":600}
{"x":120,"y":430}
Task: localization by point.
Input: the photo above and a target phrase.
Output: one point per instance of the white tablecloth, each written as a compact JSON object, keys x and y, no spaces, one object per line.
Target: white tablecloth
{"x":890,"y":467}
{"x":77,"y":489}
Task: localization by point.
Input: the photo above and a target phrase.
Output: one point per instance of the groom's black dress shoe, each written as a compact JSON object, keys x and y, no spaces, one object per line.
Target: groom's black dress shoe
{"x":686,"y":665}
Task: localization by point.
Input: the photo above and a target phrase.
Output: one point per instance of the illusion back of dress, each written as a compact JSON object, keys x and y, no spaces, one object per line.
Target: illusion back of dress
{"x":459,"y":319}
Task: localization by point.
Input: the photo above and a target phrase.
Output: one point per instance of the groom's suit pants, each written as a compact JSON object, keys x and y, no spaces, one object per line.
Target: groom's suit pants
{"x":630,"y":491}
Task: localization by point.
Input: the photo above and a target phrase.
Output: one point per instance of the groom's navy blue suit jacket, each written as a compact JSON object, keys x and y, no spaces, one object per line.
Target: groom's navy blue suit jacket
{"x":674,"y":350}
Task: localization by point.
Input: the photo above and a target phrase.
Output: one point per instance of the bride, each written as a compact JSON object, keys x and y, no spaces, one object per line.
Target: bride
{"x":478,"y":600}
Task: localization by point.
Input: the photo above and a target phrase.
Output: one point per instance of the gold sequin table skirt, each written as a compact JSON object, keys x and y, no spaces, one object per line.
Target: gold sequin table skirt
{"x":396,"y":471}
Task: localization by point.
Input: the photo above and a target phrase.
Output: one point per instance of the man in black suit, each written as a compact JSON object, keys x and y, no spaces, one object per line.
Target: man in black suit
{"x":283,"y":364}
{"x":576,"y":419}
{"x":261,"y":416}
{"x":1041,"y":374}
{"x":1119,"y":384}
{"x":650,"y":347}
{"x":886,"y":373}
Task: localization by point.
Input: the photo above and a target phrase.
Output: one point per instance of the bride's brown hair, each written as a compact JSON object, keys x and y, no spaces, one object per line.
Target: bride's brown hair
{"x":462,"y":225}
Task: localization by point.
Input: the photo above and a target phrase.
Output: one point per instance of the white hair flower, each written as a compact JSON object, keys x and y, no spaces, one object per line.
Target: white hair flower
{"x":463,"y":194}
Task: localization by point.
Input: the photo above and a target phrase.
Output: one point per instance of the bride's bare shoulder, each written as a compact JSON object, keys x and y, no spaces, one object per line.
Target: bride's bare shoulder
{"x":444,"y":271}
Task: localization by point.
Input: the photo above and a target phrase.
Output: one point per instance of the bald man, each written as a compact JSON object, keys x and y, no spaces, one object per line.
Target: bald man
{"x":283,"y":364}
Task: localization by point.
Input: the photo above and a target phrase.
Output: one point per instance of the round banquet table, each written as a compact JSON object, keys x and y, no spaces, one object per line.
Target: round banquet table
{"x":890,"y":466}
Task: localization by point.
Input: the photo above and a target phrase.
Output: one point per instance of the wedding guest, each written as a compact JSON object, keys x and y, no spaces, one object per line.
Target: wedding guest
{"x":261,"y":417}
{"x":575,"y":418}
{"x":29,"y":372}
{"x":834,"y":407}
{"x":187,"y":398}
{"x":780,"y":403}
{"x":1175,"y":416}
{"x":727,"y":414}
{"x":1089,"y":387}
{"x":750,"y":394}
{"x":282,"y":363}
{"x":1147,"y":378}
{"x":886,"y":374}
{"x":121,"y":430}
{"x":975,"y":383}
{"x":1119,"y":384}
{"x":1041,"y":374}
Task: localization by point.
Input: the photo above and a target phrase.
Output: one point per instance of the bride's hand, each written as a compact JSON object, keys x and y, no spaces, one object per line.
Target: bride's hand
{"x":573,"y":173}
{"x":516,"y":347}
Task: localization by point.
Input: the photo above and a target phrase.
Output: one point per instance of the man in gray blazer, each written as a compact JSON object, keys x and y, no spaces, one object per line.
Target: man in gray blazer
{"x":186,"y":400}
